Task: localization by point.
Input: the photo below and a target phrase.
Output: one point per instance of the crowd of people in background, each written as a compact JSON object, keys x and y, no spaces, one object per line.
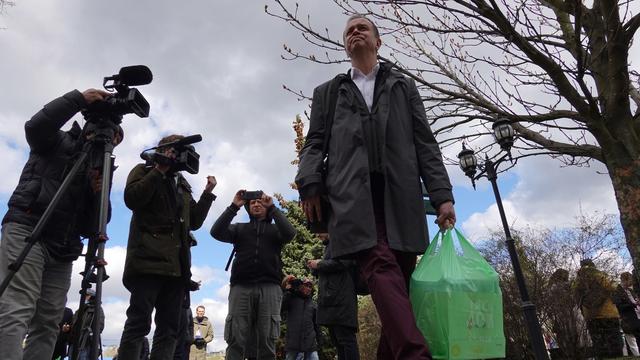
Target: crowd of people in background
{"x":590,"y":316}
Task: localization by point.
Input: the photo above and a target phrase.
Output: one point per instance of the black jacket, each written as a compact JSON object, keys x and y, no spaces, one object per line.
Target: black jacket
{"x":407,"y":152}
{"x":257,"y":245}
{"x":630,"y":321}
{"x":337,"y":300}
{"x":52,"y":154}
{"x":302,"y":328}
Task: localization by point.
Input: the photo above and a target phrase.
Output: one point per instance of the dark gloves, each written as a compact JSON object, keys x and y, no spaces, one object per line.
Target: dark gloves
{"x":199,"y":342}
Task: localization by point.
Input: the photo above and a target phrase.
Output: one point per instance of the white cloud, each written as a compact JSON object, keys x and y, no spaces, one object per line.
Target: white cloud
{"x":547,"y":195}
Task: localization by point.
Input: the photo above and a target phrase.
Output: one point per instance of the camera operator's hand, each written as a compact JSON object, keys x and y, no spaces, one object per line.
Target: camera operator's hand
{"x":171,"y":154}
{"x":211,"y":183}
{"x":312,"y":264}
{"x":312,"y":208}
{"x":238,"y":200}
{"x":92,"y":95}
{"x":266,"y":201}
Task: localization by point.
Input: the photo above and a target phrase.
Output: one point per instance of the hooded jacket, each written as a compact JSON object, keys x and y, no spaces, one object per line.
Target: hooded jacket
{"x":257,"y":245}
{"x":594,"y":291}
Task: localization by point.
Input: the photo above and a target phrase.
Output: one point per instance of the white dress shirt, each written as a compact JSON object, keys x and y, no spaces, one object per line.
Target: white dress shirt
{"x":366,"y":83}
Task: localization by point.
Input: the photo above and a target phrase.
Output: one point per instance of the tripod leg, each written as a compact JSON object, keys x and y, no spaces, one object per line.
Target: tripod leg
{"x":107,"y":166}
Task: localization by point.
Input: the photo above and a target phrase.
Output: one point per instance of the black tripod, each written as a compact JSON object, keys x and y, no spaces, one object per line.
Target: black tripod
{"x":98,"y":151}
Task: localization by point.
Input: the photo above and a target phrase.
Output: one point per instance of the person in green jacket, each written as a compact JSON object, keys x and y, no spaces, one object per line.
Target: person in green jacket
{"x":157,"y":267}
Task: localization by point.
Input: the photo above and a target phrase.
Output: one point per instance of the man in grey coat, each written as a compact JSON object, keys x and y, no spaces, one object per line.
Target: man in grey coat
{"x":380,"y":147}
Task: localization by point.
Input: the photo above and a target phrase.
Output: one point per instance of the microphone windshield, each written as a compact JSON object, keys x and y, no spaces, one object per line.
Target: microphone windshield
{"x":135,"y":75}
{"x":189,"y":140}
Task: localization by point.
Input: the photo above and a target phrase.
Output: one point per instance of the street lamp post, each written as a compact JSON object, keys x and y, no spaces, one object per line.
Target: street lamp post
{"x":504,"y":135}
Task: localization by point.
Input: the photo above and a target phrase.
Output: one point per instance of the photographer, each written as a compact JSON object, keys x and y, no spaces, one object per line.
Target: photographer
{"x":255,"y":276}
{"x":36,"y":296}
{"x":157,"y":267}
{"x":299,"y":309}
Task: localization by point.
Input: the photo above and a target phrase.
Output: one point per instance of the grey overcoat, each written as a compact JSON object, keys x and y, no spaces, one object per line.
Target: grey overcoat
{"x":409,"y":152}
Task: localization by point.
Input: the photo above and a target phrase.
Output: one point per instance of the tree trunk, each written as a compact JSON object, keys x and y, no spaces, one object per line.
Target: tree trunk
{"x":625,"y":177}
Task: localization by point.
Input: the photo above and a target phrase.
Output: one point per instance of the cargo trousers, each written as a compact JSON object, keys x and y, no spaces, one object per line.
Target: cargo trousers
{"x":34,"y":300}
{"x":253,"y":321}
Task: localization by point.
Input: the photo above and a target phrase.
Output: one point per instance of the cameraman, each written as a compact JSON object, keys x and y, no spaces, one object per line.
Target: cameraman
{"x":36,"y":296}
{"x":157,"y":267}
{"x":255,"y":295}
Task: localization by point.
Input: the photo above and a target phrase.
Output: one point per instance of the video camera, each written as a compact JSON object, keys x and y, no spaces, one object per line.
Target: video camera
{"x":187,"y":159}
{"x":252,"y":195}
{"x":125,"y":100}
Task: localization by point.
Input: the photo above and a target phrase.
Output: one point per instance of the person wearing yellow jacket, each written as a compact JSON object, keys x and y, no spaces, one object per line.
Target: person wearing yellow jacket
{"x":202,"y":335}
{"x":594,"y":291}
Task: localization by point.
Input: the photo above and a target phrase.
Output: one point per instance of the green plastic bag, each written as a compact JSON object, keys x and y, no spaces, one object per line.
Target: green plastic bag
{"x":457,"y":301}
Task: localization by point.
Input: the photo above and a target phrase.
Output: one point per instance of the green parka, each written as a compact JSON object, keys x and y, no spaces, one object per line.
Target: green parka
{"x":163,"y":215}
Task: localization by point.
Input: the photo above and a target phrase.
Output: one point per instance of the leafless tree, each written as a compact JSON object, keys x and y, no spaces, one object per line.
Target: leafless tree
{"x":542,"y":253}
{"x":558,"y":69}
{"x":4,"y":4}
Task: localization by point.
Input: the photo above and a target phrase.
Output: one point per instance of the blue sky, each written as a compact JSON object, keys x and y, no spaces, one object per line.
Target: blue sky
{"x":218,"y":72}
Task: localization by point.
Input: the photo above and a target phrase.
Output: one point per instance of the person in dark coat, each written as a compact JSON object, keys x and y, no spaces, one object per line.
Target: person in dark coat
{"x":62,"y":343}
{"x":629,"y":310}
{"x":299,"y":310}
{"x":379,"y":149}
{"x":157,"y":267}
{"x":255,"y":296}
{"x":46,"y":270}
{"x":337,"y":301}
{"x":567,"y":321}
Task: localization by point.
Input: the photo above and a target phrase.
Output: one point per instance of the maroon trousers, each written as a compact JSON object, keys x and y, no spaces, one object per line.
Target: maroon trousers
{"x":387,"y":273}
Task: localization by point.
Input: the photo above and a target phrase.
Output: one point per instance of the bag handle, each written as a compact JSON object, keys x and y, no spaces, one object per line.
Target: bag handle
{"x":467,"y":249}
{"x":431,"y":249}
{"x":445,"y":238}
